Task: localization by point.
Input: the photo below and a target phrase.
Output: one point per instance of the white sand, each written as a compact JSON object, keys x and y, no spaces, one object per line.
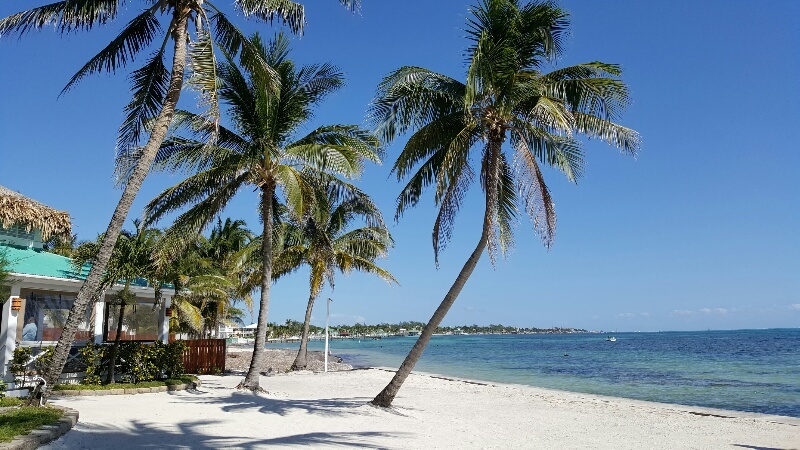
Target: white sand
{"x":330,"y":410}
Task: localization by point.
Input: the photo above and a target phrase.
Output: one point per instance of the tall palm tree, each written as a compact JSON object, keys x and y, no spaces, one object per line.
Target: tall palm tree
{"x":131,"y":259}
{"x":156,"y":89}
{"x":260,"y":151}
{"x":509,"y":117}
{"x":329,"y":245}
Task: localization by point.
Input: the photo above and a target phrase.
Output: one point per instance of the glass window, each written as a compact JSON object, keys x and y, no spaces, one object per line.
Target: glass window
{"x":139,"y":322}
{"x":45,"y":316}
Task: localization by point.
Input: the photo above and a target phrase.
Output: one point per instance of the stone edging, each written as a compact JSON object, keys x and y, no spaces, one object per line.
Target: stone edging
{"x":91,"y":392}
{"x":45,"y":433}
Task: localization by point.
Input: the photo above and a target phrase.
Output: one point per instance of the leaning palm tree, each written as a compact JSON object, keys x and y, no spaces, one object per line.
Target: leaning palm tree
{"x":156,"y":89}
{"x":508,"y":117}
{"x":260,"y":151}
{"x":329,"y":245}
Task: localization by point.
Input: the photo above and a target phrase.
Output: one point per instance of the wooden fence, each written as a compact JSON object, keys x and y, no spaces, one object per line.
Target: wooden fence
{"x":204,"y":356}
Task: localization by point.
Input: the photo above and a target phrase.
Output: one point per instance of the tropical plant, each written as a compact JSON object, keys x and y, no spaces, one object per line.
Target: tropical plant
{"x":329,"y":245}
{"x":63,"y":245}
{"x":508,"y":117}
{"x":132,"y":259}
{"x":156,"y":89}
{"x":260,"y":151}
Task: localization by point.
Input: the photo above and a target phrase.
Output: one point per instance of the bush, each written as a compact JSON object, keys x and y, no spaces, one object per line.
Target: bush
{"x":136,"y":362}
{"x":171,"y":361}
{"x":96,"y":359}
{"x":19,"y":362}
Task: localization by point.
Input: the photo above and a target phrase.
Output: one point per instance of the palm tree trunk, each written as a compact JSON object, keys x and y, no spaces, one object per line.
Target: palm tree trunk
{"x":251,"y":380}
{"x":301,"y":360}
{"x":112,"y":363}
{"x":387,"y":395}
{"x":89,"y":288}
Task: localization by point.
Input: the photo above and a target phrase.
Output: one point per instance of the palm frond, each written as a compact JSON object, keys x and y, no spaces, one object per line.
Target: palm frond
{"x":203,"y":78}
{"x":233,"y":42}
{"x":149,"y":86}
{"x":534,"y":193}
{"x":137,"y":35}
{"x":65,"y":16}
{"x":292,"y":14}
{"x":409,"y":98}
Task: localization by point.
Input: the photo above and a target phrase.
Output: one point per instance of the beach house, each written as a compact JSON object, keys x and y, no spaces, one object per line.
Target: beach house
{"x":42,"y":287}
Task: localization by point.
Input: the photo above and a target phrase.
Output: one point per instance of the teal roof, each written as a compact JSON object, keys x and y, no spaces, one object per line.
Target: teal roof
{"x":26,"y":261}
{"x":32,"y":262}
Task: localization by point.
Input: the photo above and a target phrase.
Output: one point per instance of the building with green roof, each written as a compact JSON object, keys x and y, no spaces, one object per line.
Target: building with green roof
{"x":43,"y":287}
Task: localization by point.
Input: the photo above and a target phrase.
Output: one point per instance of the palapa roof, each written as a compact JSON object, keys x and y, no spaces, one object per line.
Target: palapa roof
{"x":16,"y":209}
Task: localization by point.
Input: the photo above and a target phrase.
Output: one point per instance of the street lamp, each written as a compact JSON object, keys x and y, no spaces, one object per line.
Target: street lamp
{"x":327,"y":320}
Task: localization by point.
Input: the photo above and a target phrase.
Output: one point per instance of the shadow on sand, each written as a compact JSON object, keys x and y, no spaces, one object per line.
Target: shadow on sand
{"x":202,"y":434}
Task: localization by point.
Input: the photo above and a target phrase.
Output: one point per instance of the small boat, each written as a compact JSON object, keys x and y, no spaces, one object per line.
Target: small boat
{"x":611,"y":339}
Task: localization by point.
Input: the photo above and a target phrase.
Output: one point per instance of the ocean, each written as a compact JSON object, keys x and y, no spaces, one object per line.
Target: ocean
{"x":744,"y":370}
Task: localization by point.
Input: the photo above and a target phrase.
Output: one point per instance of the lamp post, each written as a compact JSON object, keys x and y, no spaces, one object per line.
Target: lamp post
{"x":327,"y":320}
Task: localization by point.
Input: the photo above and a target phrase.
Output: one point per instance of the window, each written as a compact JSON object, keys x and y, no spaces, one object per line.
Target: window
{"x":139,"y":322}
{"x":45,"y":316}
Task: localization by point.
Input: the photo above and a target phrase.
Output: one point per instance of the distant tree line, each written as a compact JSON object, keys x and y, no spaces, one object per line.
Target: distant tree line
{"x":293,"y":328}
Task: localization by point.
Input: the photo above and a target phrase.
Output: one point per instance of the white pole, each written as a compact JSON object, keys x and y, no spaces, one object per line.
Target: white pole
{"x":327,"y":319}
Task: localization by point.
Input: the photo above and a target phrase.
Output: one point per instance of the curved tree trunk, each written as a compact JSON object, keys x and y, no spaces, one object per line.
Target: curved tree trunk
{"x":301,"y":360}
{"x":387,"y":395}
{"x":251,"y":380}
{"x":112,"y":363}
{"x":161,"y":125}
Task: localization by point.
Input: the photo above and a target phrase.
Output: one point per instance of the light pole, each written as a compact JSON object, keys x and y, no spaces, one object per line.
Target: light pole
{"x":327,"y":320}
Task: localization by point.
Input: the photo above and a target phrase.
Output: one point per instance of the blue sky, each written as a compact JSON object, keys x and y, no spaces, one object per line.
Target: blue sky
{"x":700,"y":231}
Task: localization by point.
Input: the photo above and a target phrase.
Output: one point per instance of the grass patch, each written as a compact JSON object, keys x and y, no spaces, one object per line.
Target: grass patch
{"x":146,"y":384}
{"x":10,"y":401}
{"x":23,"y":420}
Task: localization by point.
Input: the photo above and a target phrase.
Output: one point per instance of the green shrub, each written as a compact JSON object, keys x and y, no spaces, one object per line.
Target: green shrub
{"x":136,"y":362}
{"x":95,"y":357}
{"x":22,"y":355}
{"x":171,"y":361}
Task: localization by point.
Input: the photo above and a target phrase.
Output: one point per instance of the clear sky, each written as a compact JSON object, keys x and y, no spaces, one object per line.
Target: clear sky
{"x":700,"y":231}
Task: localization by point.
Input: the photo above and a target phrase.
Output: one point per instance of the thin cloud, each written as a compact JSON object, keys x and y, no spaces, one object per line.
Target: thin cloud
{"x":682,"y":312}
{"x":715,"y":311}
{"x":795,"y":306}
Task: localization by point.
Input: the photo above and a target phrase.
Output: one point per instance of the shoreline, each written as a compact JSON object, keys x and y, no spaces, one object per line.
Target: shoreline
{"x":691,"y":409}
{"x":279,"y":360}
{"x":331,"y":410}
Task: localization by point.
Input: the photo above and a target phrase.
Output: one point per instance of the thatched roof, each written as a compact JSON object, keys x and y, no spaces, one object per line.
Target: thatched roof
{"x":16,"y":209}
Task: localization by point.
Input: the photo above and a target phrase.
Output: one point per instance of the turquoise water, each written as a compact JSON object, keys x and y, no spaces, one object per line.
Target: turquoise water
{"x":745,"y":370}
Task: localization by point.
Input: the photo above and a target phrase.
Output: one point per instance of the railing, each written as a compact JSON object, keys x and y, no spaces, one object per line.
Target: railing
{"x":204,"y":356}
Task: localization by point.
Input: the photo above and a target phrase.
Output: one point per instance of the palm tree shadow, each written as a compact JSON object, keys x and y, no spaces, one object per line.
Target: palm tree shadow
{"x":194,"y":434}
{"x":240,"y":401}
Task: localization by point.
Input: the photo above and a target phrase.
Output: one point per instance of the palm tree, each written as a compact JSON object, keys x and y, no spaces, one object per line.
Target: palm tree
{"x":132,"y":258}
{"x":156,"y":90}
{"x":224,"y":248}
{"x":328,"y":246}
{"x":63,"y":245}
{"x":509,"y":110}
{"x":209,"y":275}
{"x":260,"y":151}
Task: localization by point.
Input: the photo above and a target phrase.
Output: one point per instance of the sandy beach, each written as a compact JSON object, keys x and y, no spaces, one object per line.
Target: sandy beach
{"x":330,"y":410}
